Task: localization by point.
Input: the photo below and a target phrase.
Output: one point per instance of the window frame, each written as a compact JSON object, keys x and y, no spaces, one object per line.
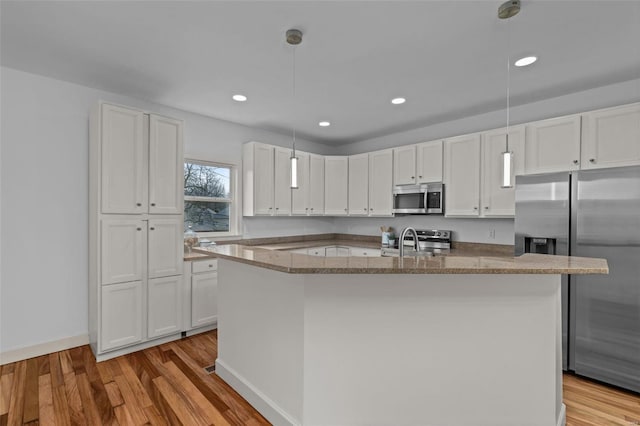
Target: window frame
{"x":234,"y":207}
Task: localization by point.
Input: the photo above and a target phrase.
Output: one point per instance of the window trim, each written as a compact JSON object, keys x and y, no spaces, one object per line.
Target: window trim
{"x":234,"y":207}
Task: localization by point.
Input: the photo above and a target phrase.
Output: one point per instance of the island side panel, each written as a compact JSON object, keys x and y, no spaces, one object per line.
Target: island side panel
{"x":432,"y":349}
{"x":260,"y":338}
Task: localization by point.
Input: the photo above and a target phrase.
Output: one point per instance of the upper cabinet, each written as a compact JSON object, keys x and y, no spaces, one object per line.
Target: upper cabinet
{"x":358,"y":185}
{"x":123,"y":177}
{"x":258,"y":179}
{"x":141,"y":168}
{"x":166,"y":193}
{"x":316,"y":184}
{"x":381,"y":183}
{"x":300,"y":196}
{"x":462,"y":176}
{"x":553,"y":145}
{"x":336,"y":173}
{"x":282,"y":182}
{"x":496,"y":200}
{"x":611,"y":137}
{"x":429,"y":162}
{"x":404,"y":165}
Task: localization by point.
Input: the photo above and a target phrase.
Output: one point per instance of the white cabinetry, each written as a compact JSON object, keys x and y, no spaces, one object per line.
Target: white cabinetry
{"x":282,"y":182}
{"x":165,"y":306}
{"x":496,"y":201}
{"x":429,"y":162}
{"x":381,"y":183}
{"x":300,"y":197}
{"x":364,"y":252}
{"x":258,"y":179}
{"x":611,"y":137}
{"x":335,"y":183}
{"x":404,"y":165}
{"x":553,"y":145}
{"x":135,"y":254}
{"x":200,"y":296}
{"x":316,"y":184}
{"x":358,"y":185}
{"x":462,"y":176}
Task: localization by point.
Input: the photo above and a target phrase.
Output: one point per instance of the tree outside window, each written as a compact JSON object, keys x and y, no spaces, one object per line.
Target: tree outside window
{"x":208,"y":200}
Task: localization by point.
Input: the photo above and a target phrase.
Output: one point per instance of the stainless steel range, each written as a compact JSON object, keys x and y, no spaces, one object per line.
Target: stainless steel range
{"x":430,"y":242}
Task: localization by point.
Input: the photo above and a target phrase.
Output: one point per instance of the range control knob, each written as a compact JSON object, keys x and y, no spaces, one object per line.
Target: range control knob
{"x":436,"y":234}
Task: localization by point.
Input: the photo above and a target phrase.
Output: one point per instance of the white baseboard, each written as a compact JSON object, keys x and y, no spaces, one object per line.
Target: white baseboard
{"x":135,"y":348}
{"x":269,"y":409}
{"x":43,"y":348}
{"x":562,"y":417}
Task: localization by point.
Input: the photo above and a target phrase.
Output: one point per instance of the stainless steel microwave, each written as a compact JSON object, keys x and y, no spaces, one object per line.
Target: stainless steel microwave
{"x":427,"y":198}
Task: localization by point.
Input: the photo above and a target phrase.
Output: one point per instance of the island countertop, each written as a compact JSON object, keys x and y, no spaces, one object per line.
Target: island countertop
{"x":295,"y":263}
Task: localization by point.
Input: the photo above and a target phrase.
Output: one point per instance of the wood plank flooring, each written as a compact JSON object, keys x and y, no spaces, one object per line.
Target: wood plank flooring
{"x":167,"y":385}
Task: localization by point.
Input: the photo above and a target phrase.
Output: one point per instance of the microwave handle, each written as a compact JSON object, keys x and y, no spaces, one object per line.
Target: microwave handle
{"x":426,"y":206}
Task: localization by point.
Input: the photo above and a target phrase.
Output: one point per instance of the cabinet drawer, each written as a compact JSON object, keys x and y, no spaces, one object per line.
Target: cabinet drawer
{"x":204,"y":266}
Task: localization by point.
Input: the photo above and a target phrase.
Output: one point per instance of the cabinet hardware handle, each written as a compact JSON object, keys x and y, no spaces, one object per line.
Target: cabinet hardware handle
{"x":420,"y":176}
{"x":365,"y":209}
{"x":306,"y":208}
{"x":592,"y":160}
{"x":210,"y":266}
{"x":270,"y":208}
{"x":277,"y":208}
{"x":413,"y":177}
{"x":475,"y":208}
{"x":346,"y":210}
{"x":152,"y":228}
{"x":138,"y":204}
{"x":575,"y":161}
{"x":311,"y":208}
{"x":486,"y":207}
{"x":153,"y":204}
{"x":139,"y":229}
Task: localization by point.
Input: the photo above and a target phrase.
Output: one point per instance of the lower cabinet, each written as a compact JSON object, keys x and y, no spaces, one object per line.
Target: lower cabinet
{"x":121,"y":315}
{"x":165,"y":306}
{"x":200,"y":297}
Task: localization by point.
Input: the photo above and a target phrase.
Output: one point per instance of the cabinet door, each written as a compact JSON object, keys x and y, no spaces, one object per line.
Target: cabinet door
{"x":462,"y":175}
{"x":343,"y":251}
{"x":282,"y":190}
{"x":122,"y":255}
{"x":316,"y":184}
{"x":166,"y":246}
{"x":553,"y":145}
{"x":164,"y":306}
{"x":497,"y":201}
{"x":166,"y":165}
{"x":318,"y":251}
{"x":335,"y":183}
{"x":124,"y":173}
{"x":611,"y":137}
{"x":121,"y":315}
{"x":404,"y":165}
{"x":263,"y":179}
{"x":381,"y":183}
{"x":429,"y":162}
{"x":300,"y":196}
{"x":204,"y":299}
{"x":364,"y":252}
{"x":358,"y":185}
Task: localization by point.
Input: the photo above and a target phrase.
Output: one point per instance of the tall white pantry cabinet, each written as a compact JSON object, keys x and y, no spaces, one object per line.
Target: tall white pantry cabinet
{"x":135,"y":229}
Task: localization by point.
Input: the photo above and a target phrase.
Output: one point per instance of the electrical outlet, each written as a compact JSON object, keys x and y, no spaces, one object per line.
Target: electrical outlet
{"x":492,"y":234}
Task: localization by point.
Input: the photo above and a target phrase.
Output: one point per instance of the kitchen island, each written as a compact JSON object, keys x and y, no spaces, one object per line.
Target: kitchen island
{"x":444,"y":340}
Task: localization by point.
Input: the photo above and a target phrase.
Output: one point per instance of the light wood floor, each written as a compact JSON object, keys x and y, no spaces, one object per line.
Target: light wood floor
{"x":167,"y":385}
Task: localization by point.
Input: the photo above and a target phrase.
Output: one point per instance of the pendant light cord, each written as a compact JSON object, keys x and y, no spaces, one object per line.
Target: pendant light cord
{"x":294,"y":101}
{"x":508,"y":78}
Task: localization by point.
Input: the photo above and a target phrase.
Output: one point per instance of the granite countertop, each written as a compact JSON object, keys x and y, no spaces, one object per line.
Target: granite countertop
{"x":459,"y":263}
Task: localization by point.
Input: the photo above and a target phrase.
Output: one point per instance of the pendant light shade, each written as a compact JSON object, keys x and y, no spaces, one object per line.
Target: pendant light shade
{"x":294,"y":171}
{"x":507,"y":169}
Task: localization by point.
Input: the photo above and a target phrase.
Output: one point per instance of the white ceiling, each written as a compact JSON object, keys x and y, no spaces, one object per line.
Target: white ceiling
{"x":448,"y":58}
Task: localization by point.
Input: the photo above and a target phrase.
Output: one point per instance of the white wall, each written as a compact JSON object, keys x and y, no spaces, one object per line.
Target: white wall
{"x":44,"y":210}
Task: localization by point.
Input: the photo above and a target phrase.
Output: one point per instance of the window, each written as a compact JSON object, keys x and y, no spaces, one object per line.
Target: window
{"x":209,"y":198}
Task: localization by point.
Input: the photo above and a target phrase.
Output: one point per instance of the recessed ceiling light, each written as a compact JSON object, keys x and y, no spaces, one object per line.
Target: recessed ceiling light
{"x":239,"y":98}
{"x":523,"y":62}
{"x":324,"y":124}
{"x":398,"y":101}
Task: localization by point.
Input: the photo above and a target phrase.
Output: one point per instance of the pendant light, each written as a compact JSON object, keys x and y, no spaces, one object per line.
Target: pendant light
{"x":505,"y":11}
{"x":294,"y":38}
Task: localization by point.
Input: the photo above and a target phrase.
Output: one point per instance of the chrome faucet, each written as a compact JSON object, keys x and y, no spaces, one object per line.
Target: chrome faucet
{"x":404,"y":234}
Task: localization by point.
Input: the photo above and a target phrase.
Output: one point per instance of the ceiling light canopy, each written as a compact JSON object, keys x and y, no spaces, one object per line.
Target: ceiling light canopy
{"x":239,"y":98}
{"x":324,"y":124}
{"x":523,"y":62}
{"x":398,"y":101}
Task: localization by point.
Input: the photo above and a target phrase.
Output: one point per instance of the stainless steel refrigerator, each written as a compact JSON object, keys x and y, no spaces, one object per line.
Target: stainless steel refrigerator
{"x":592,"y":213}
